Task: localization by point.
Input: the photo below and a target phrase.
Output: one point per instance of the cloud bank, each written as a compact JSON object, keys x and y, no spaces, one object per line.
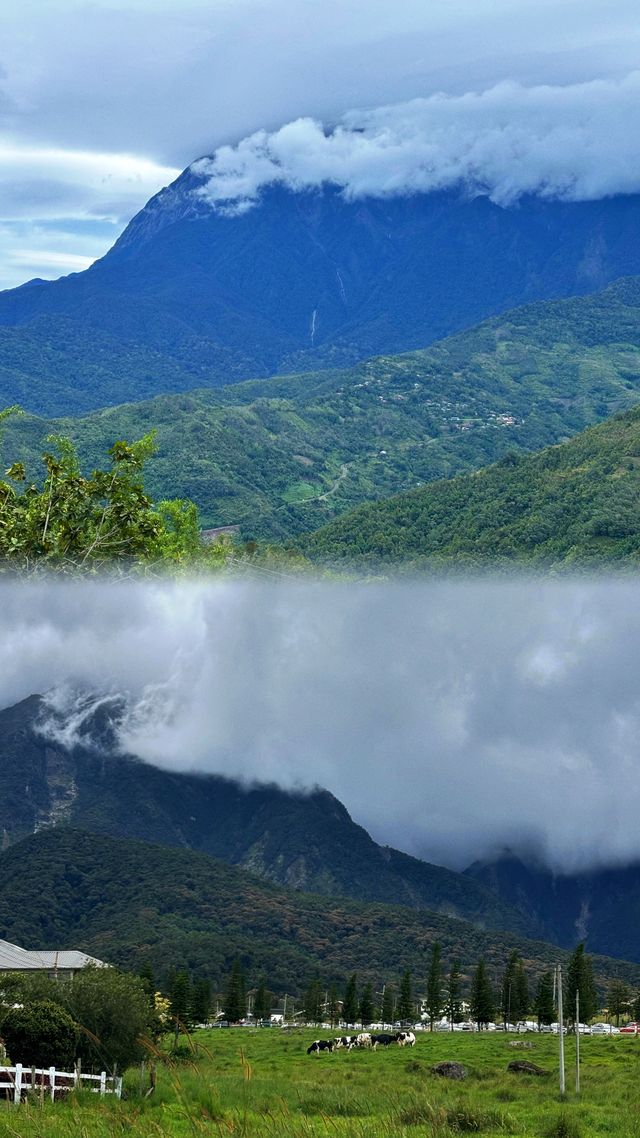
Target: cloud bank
{"x":450,"y":718}
{"x":571,"y":143}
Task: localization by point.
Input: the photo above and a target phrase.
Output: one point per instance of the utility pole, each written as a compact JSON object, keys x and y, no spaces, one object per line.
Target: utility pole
{"x":577,"y":1042}
{"x":560,"y":1028}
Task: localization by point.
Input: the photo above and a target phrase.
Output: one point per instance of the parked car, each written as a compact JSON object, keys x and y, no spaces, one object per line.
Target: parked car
{"x":630,"y":1029}
{"x":604,"y":1029}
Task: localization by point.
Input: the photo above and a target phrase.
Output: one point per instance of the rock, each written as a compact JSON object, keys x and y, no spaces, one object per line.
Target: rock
{"x":524,"y":1067}
{"x":450,"y":1070}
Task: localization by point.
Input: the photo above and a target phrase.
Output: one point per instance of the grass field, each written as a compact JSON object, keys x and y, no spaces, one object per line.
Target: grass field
{"x":262,"y":1083}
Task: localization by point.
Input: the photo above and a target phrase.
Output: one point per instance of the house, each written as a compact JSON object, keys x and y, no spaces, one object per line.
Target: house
{"x":59,"y":964}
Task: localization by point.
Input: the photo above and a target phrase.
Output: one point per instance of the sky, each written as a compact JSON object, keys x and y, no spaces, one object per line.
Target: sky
{"x":452,"y":719}
{"x":103,"y":102}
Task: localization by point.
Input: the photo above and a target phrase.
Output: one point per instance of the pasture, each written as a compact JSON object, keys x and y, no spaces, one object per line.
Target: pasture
{"x":246,"y":1082}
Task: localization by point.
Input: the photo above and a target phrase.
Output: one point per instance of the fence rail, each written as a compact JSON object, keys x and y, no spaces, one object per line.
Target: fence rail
{"x":15,"y":1082}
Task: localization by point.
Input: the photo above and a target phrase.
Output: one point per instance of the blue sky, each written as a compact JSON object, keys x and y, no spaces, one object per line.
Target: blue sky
{"x":103,"y":102}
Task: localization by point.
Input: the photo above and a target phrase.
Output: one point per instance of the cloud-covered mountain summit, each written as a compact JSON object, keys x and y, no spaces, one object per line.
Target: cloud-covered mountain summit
{"x":567,"y":142}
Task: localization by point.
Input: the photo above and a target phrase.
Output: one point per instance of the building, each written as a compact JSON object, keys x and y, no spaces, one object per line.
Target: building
{"x":59,"y":964}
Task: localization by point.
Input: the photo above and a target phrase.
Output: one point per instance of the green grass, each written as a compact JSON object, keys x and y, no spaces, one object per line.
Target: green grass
{"x":262,"y":1083}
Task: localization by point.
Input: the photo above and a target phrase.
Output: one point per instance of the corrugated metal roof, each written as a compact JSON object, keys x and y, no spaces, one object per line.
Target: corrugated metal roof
{"x":15,"y":959}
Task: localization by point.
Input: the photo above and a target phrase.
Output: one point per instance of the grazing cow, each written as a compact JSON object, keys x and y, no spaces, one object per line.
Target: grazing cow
{"x":319,"y":1045}
{"x":406,"y":1039}
{"x":347,"y":1041}
{"x":383,"y":1040}
{"x":364,"y":1039}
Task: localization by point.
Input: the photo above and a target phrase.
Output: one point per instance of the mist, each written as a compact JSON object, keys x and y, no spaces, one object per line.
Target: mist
{"x":567,"y":142}
{"x":451,"y":718}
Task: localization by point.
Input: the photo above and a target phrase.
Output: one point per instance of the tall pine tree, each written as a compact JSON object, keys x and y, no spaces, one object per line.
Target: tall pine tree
{"x":313,"y":1002}
{"x":263,"y":1001}
{"x":366,"y":1005}
{"x":453,"y":1000}
{"x":434,"y":986}
{"x":481,"y":1000}
{"x":387,"y":1011}
{"x":406,"y":1009}
{"x":544,"y":1006}
{"x":580,"y":979}
{"x":350,"y":1005}
{"x":234,"y":1004}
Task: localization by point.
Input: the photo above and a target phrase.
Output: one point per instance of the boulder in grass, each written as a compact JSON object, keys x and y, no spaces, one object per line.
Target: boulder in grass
{"x":449,"y":1070}
{"x":524,"y":1067}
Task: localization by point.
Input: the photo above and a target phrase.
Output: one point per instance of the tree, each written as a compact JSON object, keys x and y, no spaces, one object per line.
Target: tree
{"x":406,"y":1010}
{"x":147,"y":980}
{"x":350,"y":1002}
{"x":76,"y":522}
{"x":515,"y":990}
{"x":40,"y":1034}
{"x":180,"y":1002}
{"x":263,"y":1001}
{"x":201,"y":1001}
{"x":619,"y":998}
{"x":234,"y":1004}
{"x":544,"y":1005}
{"x":367,"y":1014}
{"x":332,"y":1005}
{"x":482,"y":1003}
{"x":313,"y":1002}
{"x":580,"y":979}
{"x":453,"y":1004}
{"x":387,"y":1011}
{"x":111,"y":1010}
{"x":434,"y":986}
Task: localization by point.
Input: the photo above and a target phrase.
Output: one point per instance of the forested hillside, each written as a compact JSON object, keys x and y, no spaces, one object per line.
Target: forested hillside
{"x":577,"y":504}
{"x":283,"y":456}
{"x":129,"y":902}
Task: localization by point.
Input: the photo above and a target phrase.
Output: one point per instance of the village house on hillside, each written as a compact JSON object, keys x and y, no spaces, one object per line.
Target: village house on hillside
{"x":59,"y":964}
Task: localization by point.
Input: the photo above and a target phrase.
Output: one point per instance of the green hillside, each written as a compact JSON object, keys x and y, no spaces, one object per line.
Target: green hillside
{"x":573,"y":504}
{"x":286,"y":455}
{"x":126,"y":902}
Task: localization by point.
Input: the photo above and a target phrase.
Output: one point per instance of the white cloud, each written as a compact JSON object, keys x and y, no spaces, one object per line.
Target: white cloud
{"x":449,"y":717}
{"x":571,"y":142}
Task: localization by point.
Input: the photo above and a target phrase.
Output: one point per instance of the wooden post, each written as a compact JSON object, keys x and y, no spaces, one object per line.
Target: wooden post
{"x":52,"y":1083}
{"x":103,"y":1083}
{"x":77,"y":1074}
{"x":17,"y":1084}
{"x":560,"y":1030}
{"x":33,"y":1081}
{"x":119,"y":1087}
{"x":577,"y":1042}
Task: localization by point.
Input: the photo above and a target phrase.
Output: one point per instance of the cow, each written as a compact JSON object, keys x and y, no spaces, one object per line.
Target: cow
{"x":347,"y":1041}
{"x":319,"y":1045}
{"x":406,"y":1039}
{"x":383,"y":1040}
{"x":364,"y":1039}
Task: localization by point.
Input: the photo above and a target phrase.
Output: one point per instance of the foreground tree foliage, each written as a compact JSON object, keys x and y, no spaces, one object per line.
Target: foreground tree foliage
{"x":77,"y":522}
{"x":40,"y":1034}
{"x":109,"y":1012}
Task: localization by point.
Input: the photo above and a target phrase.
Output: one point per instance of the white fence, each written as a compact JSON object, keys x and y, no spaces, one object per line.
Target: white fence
{"x":48,"y":1082}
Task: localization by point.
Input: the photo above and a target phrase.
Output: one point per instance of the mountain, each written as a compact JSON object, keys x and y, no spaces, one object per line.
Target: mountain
{"x":285,"y":455}
{"x":306,"y":841}
{"x":129,"y":902}
{"x":572,"y":505}
{"x":601,"y":907}
{"x":192,"y":297}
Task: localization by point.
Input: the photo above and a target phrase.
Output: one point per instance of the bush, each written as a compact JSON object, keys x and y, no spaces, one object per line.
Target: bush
{"x":40,"y":1034}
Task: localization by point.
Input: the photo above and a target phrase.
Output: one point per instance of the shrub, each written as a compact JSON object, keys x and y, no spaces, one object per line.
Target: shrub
{"x":40,"y":1034}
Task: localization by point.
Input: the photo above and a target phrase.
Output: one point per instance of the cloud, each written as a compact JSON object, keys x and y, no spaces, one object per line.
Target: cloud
{"x":450,"y":718}
{"x":169,"y":80}
{"x":571,"y":143}
{"x":60,"y":209}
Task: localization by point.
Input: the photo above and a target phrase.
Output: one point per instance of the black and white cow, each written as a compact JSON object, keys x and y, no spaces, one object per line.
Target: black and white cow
{"x":347,"y":1041}
{"x":406,"y":1039}
{"x":364,"y":1039}
{"x":383,"y":1040}
{"x":319,"y":1045}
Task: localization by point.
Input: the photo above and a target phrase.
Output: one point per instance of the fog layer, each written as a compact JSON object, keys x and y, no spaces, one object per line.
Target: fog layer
{"x":450,"y":718}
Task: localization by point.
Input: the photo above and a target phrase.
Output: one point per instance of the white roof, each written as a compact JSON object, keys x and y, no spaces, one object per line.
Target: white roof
{"x":15,"y":959}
